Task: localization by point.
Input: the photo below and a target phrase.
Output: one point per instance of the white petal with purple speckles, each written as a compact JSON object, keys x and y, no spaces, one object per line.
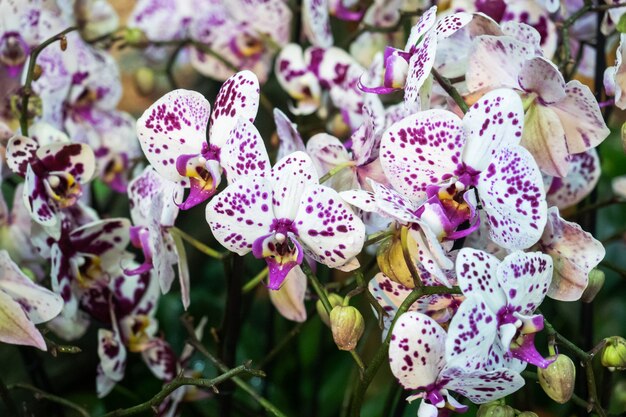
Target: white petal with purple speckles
{"x":289,"y":177}
{"x":327,"y":151}
{"x":582,"y":178}
{"x":421,"y":150}
{"x":481,"y":387}
{"x":495,"y":120}
{"x":476,"y":273}
{"x":36,"y":200}
{"x":241,"y":214}
{"x":244,"y":153}
{"x":112,"y":354}
{"x":238,"y":98}
{"x":512,"y":194}
{"x":328,"y":227}
{"x":449,"y":25}
{"x":417,"y":350}
{"x":174,"y":125}
{"x":525,"y":278}
{"x":316,"y":22}
{"x":103,"y":238}
{"x":425,"y":23}
{"x":289,"y":139}
{"x":394,"y":205}
{"x":541,"y":76}
{"x":420,"y":65}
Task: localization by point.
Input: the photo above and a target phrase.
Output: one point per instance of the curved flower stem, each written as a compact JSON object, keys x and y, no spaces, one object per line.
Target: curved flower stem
{"x":404,"y":235}
{"x":193,"y":341}
{"x":250,"y":285}
{"x":39,"y":394}
{"x":452,"y":92}
{"x":571,"y":346}
{"x":381,"y":354}
{"x":30,"y":75}
{"x":377,"y":237}
{"x":197,"y":244}
{"x":180,"y":382}
{"x":336,"y":170}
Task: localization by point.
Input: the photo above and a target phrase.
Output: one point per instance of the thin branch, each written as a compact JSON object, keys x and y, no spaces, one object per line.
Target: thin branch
{"x":170,"y":387}
{"x":250,"y":285}
{"x":197,"y":244}
{"x":39,"y":394}
{"x":30,"y":75}
{"x":446,"y":84}
{"x":8,"y":401}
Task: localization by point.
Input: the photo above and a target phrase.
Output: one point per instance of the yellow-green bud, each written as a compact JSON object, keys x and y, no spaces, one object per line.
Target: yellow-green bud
{"x":495,"y":409}
{"x":557,"y":380}
{"x":144,"y":80}
{"x":596,"y":282}
{"x":335,"y":300}
{"x":135,"y":37}
{"x":624,"y":136}
{"x":527,"y":414}
{"x":614,"y":353}
{"x":346,"y":323}
{"x":391,"y":262}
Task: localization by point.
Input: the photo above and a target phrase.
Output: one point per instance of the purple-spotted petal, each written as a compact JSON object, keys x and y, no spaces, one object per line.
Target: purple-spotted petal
{"x":476,"y":273}
{"x":19,"y":153}
{"x":575,"y":253}
{"x":15,"y":327}
{"x":36,"y":200}
{"x":112,"y":354}
{"x":417,"y":350}
{"x":449,"y":25}
{"x":483,"y":386}
{"x":424,"y":24}
{"x":106,"y":239}
{"x":494,"y":121}
{"x":420,"y":65}
{"x":160,"y":359}
{"x":316,"y":22}
{"x":244,"y":153}
{"x":411,"y":157}
{"x":394,"y":205}
{"x":75,"y":159}
{"x":289,"y":178}
{"x":512,"y":194}
{"x":327,"y":152}
{"x":297,"y":80}
{"x":581,"y":118}
{"x":241,"y":213}
{"x":525,"y":278}
{"x":174,"y":125}
{"x":238,"y":98}
{"x":327,"y":227}
{"x":581,"y":179}
{"x":289,"y":139}
{"x":542,"y":77}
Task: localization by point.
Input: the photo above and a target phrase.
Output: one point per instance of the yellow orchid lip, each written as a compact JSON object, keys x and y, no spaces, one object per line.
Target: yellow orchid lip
{"x":63,"y":188}
{"x":89,"y":271}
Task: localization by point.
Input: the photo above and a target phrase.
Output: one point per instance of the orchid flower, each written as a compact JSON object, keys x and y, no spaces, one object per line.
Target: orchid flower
{"x":173,"y":133}
{"x":582,"y":178}
{"x":507,"y":292}
{"x":436,"y":148}
{"x":561,"y":119}
{"x":423,"y":359}
{"x":281,"y":215}
{"x":614,"y":79}
{"x":574,"y":253}
{"x":54,"y":176}
{"x":154,"y":211}
{"x":22,"y":305}
{"x":409,"y":68}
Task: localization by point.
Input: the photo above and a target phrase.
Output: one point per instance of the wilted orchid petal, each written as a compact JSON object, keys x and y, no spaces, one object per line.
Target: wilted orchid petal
{"x":574,"y":253}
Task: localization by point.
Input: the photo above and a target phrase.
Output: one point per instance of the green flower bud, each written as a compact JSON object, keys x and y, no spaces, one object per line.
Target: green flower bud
{"x":623,"y":132}
{"x":596,"y":282}
{"x":346,"y":323}
{"x":557,"y":380}
{"x":335,"y":300}
{"x":527,"y":414}
{"x":495,"y":409}
{"x":391,"y":261}
{"x":135,"y":37}
{"x":144,"y":80}
{"x":614,"y":353}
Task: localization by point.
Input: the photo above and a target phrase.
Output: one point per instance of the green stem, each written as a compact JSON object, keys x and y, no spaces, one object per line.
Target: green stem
{"x":377,"y":237}
{"x":250,"y":285}
{"x":8,"y":401}
{"x":197,"y":244}
{"x":334,"y":171}
{"x":571,"y":346}
{"x":452,"y":92}
{"x":193,"y":341}
{"x":39,"y":394}
{"x":169,"y":388}
{"x":30,"y":73}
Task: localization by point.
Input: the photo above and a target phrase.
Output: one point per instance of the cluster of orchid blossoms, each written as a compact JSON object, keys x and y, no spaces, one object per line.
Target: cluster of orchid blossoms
{"x":458,"y":152}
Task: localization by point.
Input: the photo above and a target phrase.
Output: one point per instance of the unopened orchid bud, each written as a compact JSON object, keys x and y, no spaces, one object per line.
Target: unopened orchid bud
{"x":557,"y":380}
{"x":614,"y":353}
{"x":495,"y":409}
{"x":144,"y":80}
{"x":596,"y":282}
{"x":623,"y":135}
{"x":527,"y":414}
{"x":391,"y":260}
{"x":335,"y":300}
{"x":134,"y":37}
{"x":37,"y":71}
{"x":346,"y":323}
{"x":63,"y":43}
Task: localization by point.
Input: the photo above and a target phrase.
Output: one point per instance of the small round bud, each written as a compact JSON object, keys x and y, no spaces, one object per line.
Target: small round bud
{"x":596,"y":282}
{"x":557,"y":380}
{"x":495,"y":409}
{"x":623,"y":134}
{"x":144,"y":80}
{"x":135,"y":37}
{"x":335,"y":300}
{"x":37,"y":71}
{"x":346,"y":323}
{"x":63,"y":43}
{"x":613,"y":354}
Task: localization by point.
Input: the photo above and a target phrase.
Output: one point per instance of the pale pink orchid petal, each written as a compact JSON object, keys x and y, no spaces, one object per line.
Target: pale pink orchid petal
{"x":15,"y":327}
{"x":288,"y":136}
{"x":581,"y":179}
{"x":544,"y":137}
{"x":316,"y":22}
{"x":615,"y":76}
{"x":574,"y":252}
{"x":539,"y":75}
